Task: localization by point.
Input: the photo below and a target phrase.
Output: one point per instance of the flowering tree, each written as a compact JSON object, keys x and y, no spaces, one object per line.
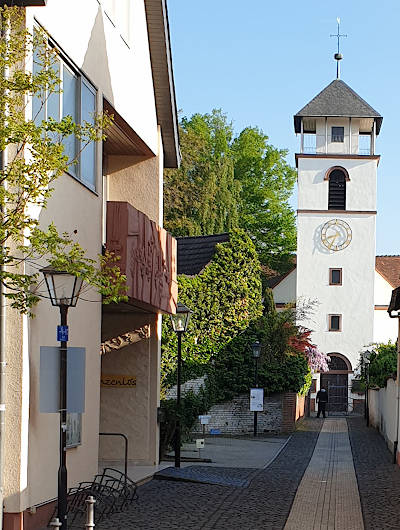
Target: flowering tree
{"x":317,"y":361}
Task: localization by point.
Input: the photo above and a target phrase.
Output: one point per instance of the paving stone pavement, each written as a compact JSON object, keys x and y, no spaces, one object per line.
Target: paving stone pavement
{"x":264,"y":504}
{"x":327,"y":497}
{"x":378,"y":478}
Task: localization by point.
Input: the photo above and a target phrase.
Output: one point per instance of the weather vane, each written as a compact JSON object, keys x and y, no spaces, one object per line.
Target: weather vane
{"x":338,"y":56}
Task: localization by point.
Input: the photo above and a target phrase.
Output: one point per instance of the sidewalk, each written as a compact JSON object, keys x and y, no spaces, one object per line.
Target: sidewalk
{"x":319,"y":481}
{"x":328,"y":497}
{"x":244,"y":452}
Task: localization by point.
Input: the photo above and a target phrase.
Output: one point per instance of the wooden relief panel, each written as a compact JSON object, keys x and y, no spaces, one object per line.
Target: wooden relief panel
{"x":148,"y":256}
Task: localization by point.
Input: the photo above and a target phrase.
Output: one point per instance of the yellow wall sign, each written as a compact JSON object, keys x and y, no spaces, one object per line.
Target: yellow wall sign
{"x":118,"y":381}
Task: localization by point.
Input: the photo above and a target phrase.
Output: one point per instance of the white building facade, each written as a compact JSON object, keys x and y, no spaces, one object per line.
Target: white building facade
{"x":337,"y":181}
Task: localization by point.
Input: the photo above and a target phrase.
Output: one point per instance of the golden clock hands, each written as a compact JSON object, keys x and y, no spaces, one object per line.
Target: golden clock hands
{"x":333,"y":237}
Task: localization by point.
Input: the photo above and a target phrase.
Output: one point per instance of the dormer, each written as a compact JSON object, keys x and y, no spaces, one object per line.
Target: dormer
{"x":337,"y":122}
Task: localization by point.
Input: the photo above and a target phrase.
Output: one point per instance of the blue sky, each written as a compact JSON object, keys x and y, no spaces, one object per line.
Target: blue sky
{"x":260,"y":61}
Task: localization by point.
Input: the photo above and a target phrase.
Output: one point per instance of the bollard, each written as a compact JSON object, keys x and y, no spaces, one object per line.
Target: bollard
{"x":90,"y":512}
{"x":55,"y":523}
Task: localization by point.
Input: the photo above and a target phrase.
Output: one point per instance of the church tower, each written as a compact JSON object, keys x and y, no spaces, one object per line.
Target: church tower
{"x":337,"y":180}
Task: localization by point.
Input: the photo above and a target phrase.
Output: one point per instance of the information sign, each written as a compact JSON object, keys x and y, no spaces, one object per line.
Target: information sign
{"x":256,"y":399}
{"x":62,"y":333}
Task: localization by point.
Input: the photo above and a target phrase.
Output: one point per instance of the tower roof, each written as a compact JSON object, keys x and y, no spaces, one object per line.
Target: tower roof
{"x":337,"y":99}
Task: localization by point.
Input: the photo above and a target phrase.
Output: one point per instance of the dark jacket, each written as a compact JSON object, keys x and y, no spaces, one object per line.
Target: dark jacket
{"x":322,"y":396}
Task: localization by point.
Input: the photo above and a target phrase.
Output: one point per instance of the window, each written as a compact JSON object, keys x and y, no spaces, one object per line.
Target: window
{"x":335,"y":322}
{"x":337,"y":190}
{"x":335,"y":276}
{"x":77,"y":99}
{"x":337,"y":134}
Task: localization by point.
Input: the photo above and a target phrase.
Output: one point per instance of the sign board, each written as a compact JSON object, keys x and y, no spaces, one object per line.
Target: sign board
{"x":50,"y":379}
{"x":74,"y":429}
{"x":62,"y":333}
{"x":256,"y":399}
{"x":204,"y":419}
{"x":118,"y":381}
{"x":200,"y":443}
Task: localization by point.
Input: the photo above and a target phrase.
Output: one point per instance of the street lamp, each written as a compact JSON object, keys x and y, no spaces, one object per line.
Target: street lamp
{"x":64,"y":290}
{"x":256,"y":348}
{"x":366,"y":360}
{"x":180,"y":323}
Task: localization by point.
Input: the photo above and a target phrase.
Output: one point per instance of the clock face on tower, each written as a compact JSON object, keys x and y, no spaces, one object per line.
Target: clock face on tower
{"x":336,"y":234}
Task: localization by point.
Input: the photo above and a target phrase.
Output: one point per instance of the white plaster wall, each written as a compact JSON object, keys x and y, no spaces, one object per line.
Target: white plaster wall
{"x":313,"y":189}
{"x":354,"y":298}
{"x":94,"y":44}
{"x":374,"y":411}
{"x":323,"y":132}
{"x":388,"y":411}
{"x":385,"y":328}
{"x":285,"y":291}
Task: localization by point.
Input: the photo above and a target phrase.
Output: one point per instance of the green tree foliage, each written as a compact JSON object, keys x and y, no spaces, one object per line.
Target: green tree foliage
{"x":35,"y":159}
{"x":201,"y":197}
{"x":383,"y":364}
{"x":226,"y":182}
{"x":225,"y":298}
{"x":266,"y":183}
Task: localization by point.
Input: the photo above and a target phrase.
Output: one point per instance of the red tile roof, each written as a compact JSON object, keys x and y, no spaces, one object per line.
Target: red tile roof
{"x":389,"y":268}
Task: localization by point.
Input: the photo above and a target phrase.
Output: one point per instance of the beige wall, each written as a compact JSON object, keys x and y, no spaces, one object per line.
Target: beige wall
{"x":94,"y":44}
{"x":139,"y":181}
{"x":131,"y":411}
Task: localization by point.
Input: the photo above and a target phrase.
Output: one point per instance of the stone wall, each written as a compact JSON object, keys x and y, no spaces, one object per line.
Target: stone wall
{"x":234,"y":417}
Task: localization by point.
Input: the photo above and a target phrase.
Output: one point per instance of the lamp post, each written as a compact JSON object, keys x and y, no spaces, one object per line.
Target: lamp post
{"x":64,"y":290}
{"x":256,"y":348}
{"x":366,"y":361}
{"x":180,"y":323}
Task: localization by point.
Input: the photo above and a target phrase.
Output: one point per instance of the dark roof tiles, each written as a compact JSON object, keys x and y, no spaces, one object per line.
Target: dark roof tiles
{"x":337,"y":99}
{"x":194,"y":253}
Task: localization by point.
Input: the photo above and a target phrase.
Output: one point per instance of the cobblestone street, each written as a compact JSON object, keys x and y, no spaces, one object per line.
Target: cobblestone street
{"x":311,"y":484}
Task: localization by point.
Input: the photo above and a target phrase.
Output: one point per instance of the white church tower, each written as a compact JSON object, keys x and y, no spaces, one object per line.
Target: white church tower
{"x":337,"y":181}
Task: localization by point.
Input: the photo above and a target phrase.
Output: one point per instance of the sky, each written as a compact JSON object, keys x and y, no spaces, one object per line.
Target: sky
{"x":261,"y":61}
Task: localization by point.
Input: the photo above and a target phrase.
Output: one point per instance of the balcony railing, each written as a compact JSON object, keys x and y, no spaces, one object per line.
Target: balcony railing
{"x":355,"y":144}
{"x":147,"y":257}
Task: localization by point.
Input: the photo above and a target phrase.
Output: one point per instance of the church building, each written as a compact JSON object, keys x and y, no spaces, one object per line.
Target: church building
{"x":336,"y":265}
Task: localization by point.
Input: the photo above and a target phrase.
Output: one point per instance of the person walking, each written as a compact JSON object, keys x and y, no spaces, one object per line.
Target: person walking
{"x":322,"y":400}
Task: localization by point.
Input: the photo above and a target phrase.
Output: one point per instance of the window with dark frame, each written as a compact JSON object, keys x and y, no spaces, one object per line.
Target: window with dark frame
{"x":335,"y":276}
{"x":335,"y":322}
{"x":337,"y":134}
{"x":77,"y":99}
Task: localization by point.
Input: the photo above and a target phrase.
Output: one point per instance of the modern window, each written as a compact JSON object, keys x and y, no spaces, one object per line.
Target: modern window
{"x":77,"y":99}
{"x":335,"y":322}
{"x":337,"y":190}
{"x":335,"y":276}
{"x":337,"y":134}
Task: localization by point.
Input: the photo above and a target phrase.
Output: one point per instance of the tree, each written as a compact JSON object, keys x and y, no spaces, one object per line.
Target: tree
{"x":35,"y":159}
{"x":201,"y":197}
{"x":226,"y":182}
{"x":266,"y":183}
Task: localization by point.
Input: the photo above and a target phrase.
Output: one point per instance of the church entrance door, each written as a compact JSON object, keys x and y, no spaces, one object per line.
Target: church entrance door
{"x":337,"y":388}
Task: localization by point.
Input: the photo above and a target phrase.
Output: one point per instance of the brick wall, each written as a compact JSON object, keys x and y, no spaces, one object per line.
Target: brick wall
{"x":289,"y":405}
{"x":234,"y":417}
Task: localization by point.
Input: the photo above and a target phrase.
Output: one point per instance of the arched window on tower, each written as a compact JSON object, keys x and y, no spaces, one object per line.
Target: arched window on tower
{"x":337,"y":190}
